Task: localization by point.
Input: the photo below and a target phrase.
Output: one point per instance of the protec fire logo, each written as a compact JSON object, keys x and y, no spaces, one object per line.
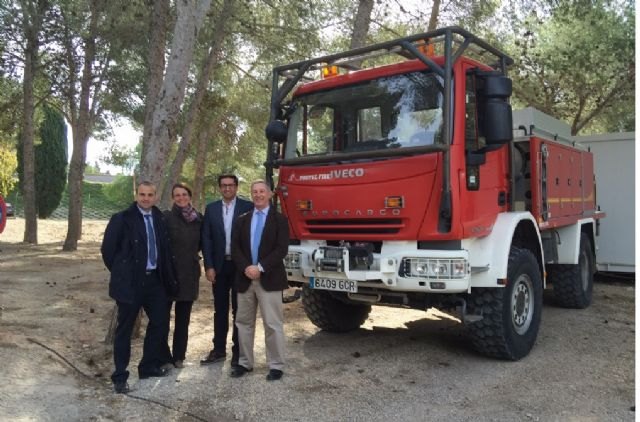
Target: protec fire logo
{"x":351,"y":173}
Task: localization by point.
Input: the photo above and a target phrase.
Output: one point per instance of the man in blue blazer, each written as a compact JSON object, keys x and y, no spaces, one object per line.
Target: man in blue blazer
{"x":219,"y":268}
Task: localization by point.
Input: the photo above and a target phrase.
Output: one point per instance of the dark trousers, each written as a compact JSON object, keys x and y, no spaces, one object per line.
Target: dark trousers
{"x":221,"y":289}
{"x":181,"y":329}
{"x":150,"y":295}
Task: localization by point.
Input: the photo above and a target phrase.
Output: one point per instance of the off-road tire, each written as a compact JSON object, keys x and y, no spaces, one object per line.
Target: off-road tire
{"x":573,"y":284}
{"x":510,"y":315}
{"x":332,"y":314}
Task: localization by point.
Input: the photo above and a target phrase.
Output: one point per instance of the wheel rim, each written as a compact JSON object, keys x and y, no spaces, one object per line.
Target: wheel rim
{"x":522,"y":304}
{"x":584,"y":270}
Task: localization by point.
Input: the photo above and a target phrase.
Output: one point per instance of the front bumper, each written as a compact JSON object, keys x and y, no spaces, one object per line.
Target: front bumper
{"x":399,"y":267}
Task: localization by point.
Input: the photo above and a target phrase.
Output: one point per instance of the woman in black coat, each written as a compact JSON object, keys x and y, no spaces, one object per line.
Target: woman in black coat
{"x":184,"y":223}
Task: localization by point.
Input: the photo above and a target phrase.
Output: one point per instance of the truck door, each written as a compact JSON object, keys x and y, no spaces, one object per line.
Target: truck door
{"x":484,"y":181}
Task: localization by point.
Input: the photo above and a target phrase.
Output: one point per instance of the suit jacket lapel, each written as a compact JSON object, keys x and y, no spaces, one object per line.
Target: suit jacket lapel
{"x":217,"y":214}
{"x":236,"y":210}
{"x":245,"y":234}
{"x":140,"y":225}
{"x":267,"y":230}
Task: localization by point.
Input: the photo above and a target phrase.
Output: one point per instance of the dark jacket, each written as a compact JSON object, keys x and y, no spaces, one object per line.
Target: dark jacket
{"x":185,"y":244}
{"x":213,"y":235}
{"x":124,"y":251}
{"x":274,"y":246}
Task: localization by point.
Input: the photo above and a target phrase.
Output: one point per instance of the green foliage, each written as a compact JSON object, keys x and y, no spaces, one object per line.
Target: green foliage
{"x":50,"y":148}
{"x":91,"y":168}
{"x":8,"y":164}
{"x":10,"y":110}
{"x":126,"y":158}
{"x":120,"y":192}
{"x":50,"y":162}
{"x":576,"y":63}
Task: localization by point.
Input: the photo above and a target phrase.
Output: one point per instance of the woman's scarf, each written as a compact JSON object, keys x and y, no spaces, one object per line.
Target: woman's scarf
{"x":188,"y":213}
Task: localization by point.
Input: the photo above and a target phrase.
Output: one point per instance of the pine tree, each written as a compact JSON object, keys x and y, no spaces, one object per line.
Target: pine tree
{"x":51,"y":162}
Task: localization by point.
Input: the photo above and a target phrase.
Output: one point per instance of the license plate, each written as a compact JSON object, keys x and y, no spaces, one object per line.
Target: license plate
{"x":333,"y":284}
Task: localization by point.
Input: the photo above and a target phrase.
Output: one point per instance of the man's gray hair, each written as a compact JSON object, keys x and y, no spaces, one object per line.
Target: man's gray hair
{"x":264,"y":182}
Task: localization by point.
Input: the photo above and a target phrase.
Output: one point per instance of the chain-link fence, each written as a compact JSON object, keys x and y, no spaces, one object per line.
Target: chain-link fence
{"x":97,"y":202}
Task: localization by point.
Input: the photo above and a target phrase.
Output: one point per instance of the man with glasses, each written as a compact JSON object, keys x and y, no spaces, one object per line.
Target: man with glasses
{"x":219,"y":268}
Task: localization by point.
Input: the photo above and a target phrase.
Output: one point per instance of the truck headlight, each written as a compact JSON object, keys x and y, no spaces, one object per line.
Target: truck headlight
{"x":292,"y":261}
{"x":434,"y":268}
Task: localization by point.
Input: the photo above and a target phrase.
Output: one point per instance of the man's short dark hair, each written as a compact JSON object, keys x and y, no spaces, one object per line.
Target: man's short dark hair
{"x":228,"y":176}
{"x":145,"y":183}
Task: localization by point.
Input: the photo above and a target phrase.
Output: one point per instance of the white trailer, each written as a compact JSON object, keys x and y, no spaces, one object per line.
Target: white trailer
{"x":614,"y":156}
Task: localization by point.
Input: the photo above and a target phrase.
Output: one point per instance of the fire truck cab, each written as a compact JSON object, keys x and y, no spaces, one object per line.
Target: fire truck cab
{"x":404,"y":185}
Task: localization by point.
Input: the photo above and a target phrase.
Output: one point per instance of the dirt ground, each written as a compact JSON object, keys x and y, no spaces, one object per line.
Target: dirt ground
{"x":401,"y":365}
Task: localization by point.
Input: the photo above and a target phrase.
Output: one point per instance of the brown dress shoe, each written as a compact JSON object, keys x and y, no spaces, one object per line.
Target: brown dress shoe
{"x":213,"y":357}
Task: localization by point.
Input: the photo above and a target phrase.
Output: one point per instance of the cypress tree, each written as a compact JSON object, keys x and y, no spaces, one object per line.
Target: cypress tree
{"x":51,"y":162}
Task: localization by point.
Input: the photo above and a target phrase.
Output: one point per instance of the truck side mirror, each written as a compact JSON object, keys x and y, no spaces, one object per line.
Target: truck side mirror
{"x":276,"y":131}
{"x":495,"y":114}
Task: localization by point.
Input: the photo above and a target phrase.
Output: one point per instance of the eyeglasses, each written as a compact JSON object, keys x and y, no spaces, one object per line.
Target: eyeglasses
{"x":227,"y":186}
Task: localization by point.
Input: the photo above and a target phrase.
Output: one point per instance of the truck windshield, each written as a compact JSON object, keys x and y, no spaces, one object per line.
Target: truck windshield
{"x":392,"y":112}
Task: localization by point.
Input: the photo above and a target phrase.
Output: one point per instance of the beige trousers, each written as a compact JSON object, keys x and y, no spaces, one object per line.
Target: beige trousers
{"x":270,"y":304}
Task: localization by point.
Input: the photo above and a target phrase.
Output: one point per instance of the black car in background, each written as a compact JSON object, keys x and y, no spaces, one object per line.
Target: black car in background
{"x":11,"y":212}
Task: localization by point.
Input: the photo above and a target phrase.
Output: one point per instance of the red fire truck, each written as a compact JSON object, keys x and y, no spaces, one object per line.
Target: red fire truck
{"x":404,"y":185}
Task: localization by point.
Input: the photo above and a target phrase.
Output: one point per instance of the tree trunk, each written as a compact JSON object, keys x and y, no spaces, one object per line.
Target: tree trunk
{"x":194,"y":108}
{"x":157,"y":46}
{"x":201,"y":158}
{"x":361,"y":26}
{"x":435,"y":12}
{"x":81,"y":125}
{"x":165,"y":116}
{"x":113,"y":323}
{"x":33,"y":14}
{"x":74,"y":186}
{"x":28,"y":153}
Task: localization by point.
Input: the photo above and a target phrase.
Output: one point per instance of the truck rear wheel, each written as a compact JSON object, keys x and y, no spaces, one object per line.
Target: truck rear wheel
{"x":573,"y":284}
{"x":510,"y":315}
{"x":332,"y":314}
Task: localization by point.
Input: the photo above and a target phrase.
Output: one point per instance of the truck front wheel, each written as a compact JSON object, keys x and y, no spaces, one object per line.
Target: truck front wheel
{"x":510,"y":315}
{"x":332,"y":314}
{"x":573,"y":284}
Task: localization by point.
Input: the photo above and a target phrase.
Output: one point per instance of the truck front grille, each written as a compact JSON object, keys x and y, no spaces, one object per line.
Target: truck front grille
{"x":355,"y":226}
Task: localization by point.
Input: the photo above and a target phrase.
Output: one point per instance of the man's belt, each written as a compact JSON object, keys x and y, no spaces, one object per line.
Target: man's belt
{"x":228,"y":258}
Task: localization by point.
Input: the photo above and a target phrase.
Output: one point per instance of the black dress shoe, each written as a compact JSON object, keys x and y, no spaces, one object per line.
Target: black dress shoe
{"x":157,"y":372}
{"x":238,"y":371}
{"x":213,"y":357}
{"x":121,"y":387}
{"x":274,"y":375}
{"x":295,"y":296}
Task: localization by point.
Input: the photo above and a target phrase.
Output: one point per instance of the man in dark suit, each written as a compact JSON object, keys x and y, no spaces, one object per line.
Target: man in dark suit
{"x":259,"y":245}
{"x":216,"y":249}
{"x":136,"y":250}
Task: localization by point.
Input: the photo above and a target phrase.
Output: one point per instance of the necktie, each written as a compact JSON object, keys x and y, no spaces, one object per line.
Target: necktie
{"x":257,"y":235}
{"x":151,"y":240}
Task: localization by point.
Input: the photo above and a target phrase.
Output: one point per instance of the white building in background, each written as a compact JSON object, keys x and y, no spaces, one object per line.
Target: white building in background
{"x":614,"y":156}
